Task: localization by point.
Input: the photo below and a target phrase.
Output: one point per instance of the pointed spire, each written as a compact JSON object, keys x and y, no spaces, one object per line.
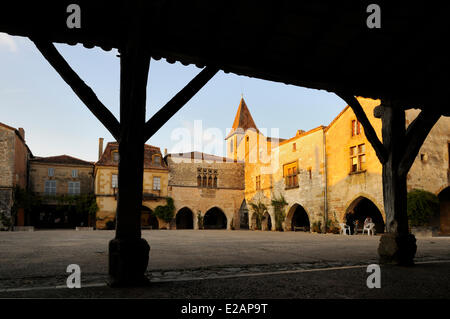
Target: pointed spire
{"x":243,"y":120}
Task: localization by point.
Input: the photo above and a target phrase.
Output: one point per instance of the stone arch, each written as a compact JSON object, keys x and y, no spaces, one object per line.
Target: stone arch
{"x":148,"y":219}
{"x":361,"y":208}
{"x":215,"y":218}
{"x":297,"y":216}
{"x":185,"y":218}
{"x":266,"y":223}
{"x":243,"y":215}
{"x":353,"y":202}
{"x":444,"y":211}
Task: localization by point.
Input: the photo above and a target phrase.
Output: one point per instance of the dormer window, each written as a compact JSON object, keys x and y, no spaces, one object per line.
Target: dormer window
{"x":157,"y":160}
{"x":115,"y":156}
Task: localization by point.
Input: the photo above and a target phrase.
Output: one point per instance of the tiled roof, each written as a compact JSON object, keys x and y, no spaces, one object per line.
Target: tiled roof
{"x":243,"y":120}
{"x":61,"y":159}
{"x":107,"y":158}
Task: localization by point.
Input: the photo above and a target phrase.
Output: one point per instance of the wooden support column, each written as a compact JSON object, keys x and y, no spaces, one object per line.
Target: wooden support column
{"x":397,"y":245}
{"x":128,"y":252}
{"x":396,"y":153}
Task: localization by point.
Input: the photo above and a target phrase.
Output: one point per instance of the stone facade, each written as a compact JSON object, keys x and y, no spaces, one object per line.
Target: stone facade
{"x":203,"y":184}
{"x":155,"y":171}
{"x":14,"y":155}
{"x":53,"y":178}
{"x":328,"y":174}
{"x":335,"y":174}
{"x":63,"y":168}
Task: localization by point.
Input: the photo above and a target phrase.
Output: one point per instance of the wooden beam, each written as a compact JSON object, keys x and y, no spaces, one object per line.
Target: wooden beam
{"x":81,"y":89}
{"x":178,"y":101}
{"x":371,"y":135}
{"x":416,"y":134}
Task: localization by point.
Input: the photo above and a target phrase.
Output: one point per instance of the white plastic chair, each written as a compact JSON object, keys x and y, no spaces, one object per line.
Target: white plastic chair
{"x":345,"y":229}
{"x":369,"y":227}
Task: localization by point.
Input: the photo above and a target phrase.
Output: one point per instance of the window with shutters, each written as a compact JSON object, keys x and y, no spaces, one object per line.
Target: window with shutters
{"x":357,"y":158}
{"x":291,"y":175}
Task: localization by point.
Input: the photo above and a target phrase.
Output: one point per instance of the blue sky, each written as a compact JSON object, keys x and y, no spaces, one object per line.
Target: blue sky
{"x":33,"y":96}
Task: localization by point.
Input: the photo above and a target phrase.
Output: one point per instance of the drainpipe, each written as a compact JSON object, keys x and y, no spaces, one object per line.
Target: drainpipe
{"x":325,"y":169}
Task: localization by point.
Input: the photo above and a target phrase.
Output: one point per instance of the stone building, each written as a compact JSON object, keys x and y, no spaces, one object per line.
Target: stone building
{"x":54,"y":179}
{"x":331,"y":173}
{"x":208,"y":186}
{"x":14,"y":156}
{"x":106,"y":184}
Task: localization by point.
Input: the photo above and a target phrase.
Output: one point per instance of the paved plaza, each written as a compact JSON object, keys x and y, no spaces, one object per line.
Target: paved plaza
{"x":40,"y":258}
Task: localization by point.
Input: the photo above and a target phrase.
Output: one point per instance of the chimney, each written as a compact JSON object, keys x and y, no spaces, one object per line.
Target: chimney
{"x":100,"y":147}
{"x":22,"y":133}
{"x":165,"y":151}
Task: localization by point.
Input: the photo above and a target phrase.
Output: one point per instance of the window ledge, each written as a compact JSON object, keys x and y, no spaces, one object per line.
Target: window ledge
{"x":291,"y":187}
{"x":357,"y":172}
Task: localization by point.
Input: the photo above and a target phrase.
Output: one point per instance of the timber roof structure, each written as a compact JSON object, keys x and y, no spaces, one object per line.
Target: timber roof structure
{"x":316,"y":44}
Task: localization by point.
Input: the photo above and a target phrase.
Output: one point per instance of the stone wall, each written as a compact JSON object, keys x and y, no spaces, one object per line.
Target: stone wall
{"x":62,"y":175}
{"x":7,"y":145}
{"x":430,"y":170}
{"x":308,"y":155}
{"x":107,"y":202}
{"x":7,"y":175}
{"x":227,"y":196}
{"x":344,"y":187}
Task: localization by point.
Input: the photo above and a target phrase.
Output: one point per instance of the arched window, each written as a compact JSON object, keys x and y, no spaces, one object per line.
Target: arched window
{"x":215,"y":182}
{"x":204,"y":181}
{"x":199,"y":181}
{"x":210,"y":181}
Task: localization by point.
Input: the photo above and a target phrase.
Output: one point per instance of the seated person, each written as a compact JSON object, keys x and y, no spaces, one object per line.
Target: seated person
{"x":368,"y":220}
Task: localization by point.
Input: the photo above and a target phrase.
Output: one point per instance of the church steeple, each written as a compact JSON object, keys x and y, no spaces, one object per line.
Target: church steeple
{"x":243,"y":120}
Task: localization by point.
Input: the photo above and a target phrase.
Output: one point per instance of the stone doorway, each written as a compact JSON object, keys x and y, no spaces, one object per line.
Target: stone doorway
{"x":266,"y":223}
{"x":148,"y":219}
{"x":243,"y":215}
{"x":359,"y":210}
{"x":297,"y":219}
{"x":185,"y":219}
{"x":215,"y":219}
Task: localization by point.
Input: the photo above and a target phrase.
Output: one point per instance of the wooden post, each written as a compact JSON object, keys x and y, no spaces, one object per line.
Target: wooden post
{"x":397,"y":245}
{"x":128,"y":252}
{"x":396,"y":153}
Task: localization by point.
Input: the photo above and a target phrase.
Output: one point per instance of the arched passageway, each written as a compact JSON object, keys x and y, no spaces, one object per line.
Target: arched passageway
{"x":215,"y":219}
{"x":266,"y":223}
{"x":359,"y":210}
{"x":243,"y":216}
{"x":297,"y":219}
{"x":444,"y":212}
{"x":148,"y":219}
{"x":185,"y":219}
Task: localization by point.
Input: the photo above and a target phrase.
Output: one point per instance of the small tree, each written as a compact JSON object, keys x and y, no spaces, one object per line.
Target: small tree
{"x":278,"y":207}
{"x":422,"y":206}
{"x":166,"y":212}
{"x":200,"y":220}
{"x":259,"y":209}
